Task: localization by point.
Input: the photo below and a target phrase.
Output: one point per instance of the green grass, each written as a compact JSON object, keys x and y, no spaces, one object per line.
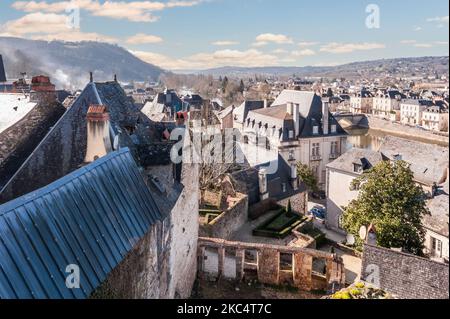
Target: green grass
{"x":279,"y":226}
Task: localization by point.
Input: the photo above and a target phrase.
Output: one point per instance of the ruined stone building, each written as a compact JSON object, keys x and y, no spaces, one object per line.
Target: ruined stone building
{"x":100,"y":192}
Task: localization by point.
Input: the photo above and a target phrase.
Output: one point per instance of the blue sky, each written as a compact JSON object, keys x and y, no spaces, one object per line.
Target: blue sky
{"x":198,"y":34}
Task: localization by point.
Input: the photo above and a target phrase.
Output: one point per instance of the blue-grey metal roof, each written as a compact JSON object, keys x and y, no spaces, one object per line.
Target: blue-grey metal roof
{"x":91,"y":218}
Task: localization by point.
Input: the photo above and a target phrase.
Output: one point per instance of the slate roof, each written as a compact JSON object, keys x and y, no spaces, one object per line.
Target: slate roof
{"x":248,"y":181}
{"x":310,"y":109}
{"x":428,"y":162}
{"x":63,"y":149}
{"x":364,"y":157}
{"x":241,"y":112}
{"x":92,"y":218}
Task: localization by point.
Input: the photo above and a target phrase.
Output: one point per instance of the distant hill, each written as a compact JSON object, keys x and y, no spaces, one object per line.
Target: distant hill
{"x":69,"y":63}
{"x":401,"y":67}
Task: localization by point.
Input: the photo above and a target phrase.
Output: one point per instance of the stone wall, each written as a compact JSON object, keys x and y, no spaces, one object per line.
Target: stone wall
{"x":144,"y":272}
{"x":228,"y":255}
{"x":229,"y":221}
{"x":299,"y":202}
{"x":405,"y":276}
{"x":18,"y":141}
{"x":163,"y":264}
{"x":184,"y":236}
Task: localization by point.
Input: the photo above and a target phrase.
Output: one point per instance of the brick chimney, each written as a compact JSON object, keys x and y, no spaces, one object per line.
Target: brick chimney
{"x":325,"y":117}
{"x":98,"y":138}
{"x":42,"y":90}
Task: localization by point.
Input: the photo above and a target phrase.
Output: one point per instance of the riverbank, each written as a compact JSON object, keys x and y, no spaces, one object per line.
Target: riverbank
{"x":409,"y":132}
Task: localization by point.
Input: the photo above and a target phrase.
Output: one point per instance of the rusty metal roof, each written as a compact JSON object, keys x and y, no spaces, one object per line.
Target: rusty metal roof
{"x":91,"y":218}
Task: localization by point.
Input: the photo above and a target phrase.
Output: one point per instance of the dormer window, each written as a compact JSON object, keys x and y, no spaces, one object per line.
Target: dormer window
{"x":291,"y":134}
{"x":333,"y":128}
{"x":357,"y":168}
{"x":315,"y":130}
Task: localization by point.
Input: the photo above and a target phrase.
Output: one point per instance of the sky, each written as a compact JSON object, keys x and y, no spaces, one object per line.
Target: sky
{"x":202,"y":34}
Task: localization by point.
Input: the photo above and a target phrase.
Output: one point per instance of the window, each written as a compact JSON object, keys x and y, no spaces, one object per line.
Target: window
{"x":291,"y":134}
{"x":357,"y":168}
{"x":283,"y":187}
{"x":315,"y":130}
{"x":333,"y":128}
{"x":315,"y":149}
{"x":334,"y":148}
{"x":291,"y":155}
{"x":436,"y":246}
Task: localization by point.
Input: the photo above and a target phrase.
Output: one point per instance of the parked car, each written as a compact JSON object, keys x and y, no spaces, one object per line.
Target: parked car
{"x":318,"y":212}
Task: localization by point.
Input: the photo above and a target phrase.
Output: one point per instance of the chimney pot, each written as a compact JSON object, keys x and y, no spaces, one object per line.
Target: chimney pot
{"x":91,"y":77}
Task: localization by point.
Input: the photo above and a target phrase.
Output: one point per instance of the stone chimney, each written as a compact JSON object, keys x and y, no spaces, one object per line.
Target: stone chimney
{"x":263,"y":193}
{"x":290,"y":108}
{"x":325,"y":117}
{"x":296,"y":118}
{"x":294,"y":178}
{"x":266,"y":104}
{"x":98,"y":139}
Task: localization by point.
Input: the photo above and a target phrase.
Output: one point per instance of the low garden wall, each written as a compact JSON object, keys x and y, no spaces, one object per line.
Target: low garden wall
{"x":227,"y":222}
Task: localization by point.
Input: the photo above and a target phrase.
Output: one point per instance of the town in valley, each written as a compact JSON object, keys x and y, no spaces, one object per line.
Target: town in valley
{"x":238,"y":174}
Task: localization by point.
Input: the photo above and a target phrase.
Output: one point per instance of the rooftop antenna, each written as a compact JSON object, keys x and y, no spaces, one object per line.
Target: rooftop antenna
{"x":91,"y":77}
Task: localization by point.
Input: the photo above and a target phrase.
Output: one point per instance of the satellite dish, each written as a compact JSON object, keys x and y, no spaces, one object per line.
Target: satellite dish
{"x":363,"y":232}
{"x":350,"y":239}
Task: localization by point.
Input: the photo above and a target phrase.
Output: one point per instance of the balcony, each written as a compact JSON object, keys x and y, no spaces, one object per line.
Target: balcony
{"x":316,"y":158}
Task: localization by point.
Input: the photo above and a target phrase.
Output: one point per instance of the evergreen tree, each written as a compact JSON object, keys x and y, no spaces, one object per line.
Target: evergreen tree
{"x":390,"y":200}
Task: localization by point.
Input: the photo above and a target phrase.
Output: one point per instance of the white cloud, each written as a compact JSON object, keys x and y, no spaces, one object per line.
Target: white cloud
{"x":49,"y":26}
{"x":142,"y":38}
{"x":337,"y":48}
{"x":417,"y":29}
{"x":306,"y":52}
{"x":441,"y":42}
{"x":444,"y":19}
{"x":36,"y":23}
{"x":225,"y":43}
{"x":307,"y":44}
{"x":266,"y":38}
{"x":280,"y":51}
{"x":136,"y":11}
{"x":423,"y":45}
{"x":250,"y":58}
{"x":408,"y":41}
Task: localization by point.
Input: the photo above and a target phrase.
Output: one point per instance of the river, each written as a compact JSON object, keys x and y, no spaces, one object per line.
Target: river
{"x":372,"y":139}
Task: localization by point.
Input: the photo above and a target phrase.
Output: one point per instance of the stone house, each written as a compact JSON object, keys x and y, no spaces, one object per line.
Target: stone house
{"x":299,"y":126}
{"x":340,"y":174}
{"x":362,"y":102}
{"x":106,"y":135}
{"x":435,"y":118}
{"x":387,"y":105}
{"x":411,"y":111}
